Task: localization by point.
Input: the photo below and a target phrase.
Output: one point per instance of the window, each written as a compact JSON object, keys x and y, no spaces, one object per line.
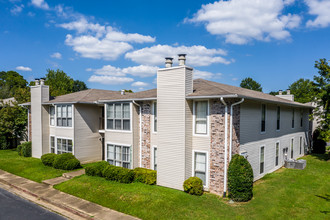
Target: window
{"x":52,"y":115}
{"x":64,"y":146}
{"x":200,"y":166}
{"x":291,"y":148}
{"x":119,"y":116}
{"x":119,"y":155}
{"x":201,"y":109}
{"x":64,"y":115}
{"x":300,"y":145}
{"x":301,"y":118}
{"x":155,"y":158}
{"x":52,"y":144}
{"x":278,"y":118}
{"x":277,"y":152}
{"x":155,"y":116}
{"x":292,"y":123}
{"x":263,"y":118}
{"x":262,"y":159}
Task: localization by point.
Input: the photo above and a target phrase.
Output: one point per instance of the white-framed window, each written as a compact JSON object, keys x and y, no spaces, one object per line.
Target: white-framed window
{"x":52,"y":115}
{"x":64,"y":145}
{"x":64,"y":115}
{"x":262,"y":159}
{"x":277,"y":153}
{"x":201,"y":117}
{"x":154,"y":157}
{"x":155,"y":116}
{"x":301,"y":118}
{"x":292,"y":140}
{"x":200,"y":165}
{"x":292,"y":119}
{"x":300,"y":144}
{"x":263,"y":118}
{"x":278,"y":121}
{"x":119,"y":116}
{"x":119,"y":155}
{"x":52,"y":144}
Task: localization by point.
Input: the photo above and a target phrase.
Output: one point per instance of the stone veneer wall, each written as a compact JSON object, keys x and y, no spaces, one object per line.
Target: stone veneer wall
{"x":217,"y":149}
{"x":145,"y":135}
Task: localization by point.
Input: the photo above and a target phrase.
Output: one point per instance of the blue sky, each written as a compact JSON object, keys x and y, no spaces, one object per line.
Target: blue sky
{"x":120,"y":44}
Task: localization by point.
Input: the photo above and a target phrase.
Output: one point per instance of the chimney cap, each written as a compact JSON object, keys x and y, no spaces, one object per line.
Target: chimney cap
{"x":168,"y":62}
{"x":182,"y":54}
{"x":36,"y":79}
{"x":168,"y":58}
{"x":182,"y":59}
{"x":43,"y":78}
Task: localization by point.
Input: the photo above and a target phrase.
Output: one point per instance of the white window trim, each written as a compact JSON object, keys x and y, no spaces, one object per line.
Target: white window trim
{"x":280,"y":118}
{"x":153,"y":117}
{"x":207,"y":165}
{"x":279,"y":153}
{"x":106,"y":121}
{"x":50,"y":141}
{"x":207,"y":118}
{"x":153,"y":157}
{"x":264,"y":171}
{"x":123,"y":145}
{"x":263,"y":132}
{"x":67,"y":138}
{"x":55,"y":121}
{"x":291,"y":147}
{"x":72,"y":127}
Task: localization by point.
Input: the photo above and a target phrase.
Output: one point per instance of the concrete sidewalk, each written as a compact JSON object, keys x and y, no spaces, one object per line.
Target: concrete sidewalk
{"x":63,"y":203}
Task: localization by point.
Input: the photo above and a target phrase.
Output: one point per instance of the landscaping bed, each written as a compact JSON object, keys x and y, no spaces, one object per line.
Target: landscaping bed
{"x":283,"y":194}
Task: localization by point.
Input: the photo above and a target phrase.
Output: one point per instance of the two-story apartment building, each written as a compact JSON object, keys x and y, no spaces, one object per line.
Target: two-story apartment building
{"x":183,"y":128}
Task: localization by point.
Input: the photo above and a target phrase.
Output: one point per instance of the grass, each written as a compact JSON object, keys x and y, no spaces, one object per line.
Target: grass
{"x":285,"y":194}
{"x":27,"y":167}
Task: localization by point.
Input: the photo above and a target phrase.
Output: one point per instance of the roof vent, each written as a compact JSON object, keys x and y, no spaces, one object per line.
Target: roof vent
{"x":122,"y":92}
{"x":36,"y":81}
{"x":280,"y":92}
{"x":168,"y":62}
{"x":288,"y":91}
{"x":182,"y":59}
{"x":42,"y":81}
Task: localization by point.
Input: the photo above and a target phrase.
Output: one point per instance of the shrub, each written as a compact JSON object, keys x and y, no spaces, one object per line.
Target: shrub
{"x":193,"y":186}
{"x":96,"y":169}
{"x":119,"y":174}
{"x":61,"y":159}
{"x":319,"y":145}
{"x":146,"y":176}
{"x":72,"y":164}
{"x":3,"y":143}
{"x":48,"y":159}
{"x":19,"y":150}
{"x":26,"y":149}
{"x":240,"y":179}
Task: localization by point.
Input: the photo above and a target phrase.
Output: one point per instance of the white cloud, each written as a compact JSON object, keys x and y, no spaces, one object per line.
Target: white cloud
{"x":99,"y":41}
{"x":196,"y":55}
{"x":205,"y":74}
{"x":241,"y":21}
{"x":141,"y":71}
{"x":108,"y":70}
{"x":110,"y":80}
{"x":321,"y":9}
{"x":17,"y":9}
{"x":23,"y":68}
{"x":234,"y":79}
{"x":56,"y":55}
{"x":40,"y":4}
{"x":140,"y":84}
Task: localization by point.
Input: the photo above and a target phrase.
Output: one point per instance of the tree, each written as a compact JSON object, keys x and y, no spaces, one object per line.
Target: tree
{"x":303,"y":90}
{"x":322,"y":89}
{"x":78,"y":86}
{"x":249,"y":83}
{"x":10,"y":81}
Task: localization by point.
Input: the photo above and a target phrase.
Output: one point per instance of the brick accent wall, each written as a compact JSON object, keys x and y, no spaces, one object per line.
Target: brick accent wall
{"x":217,"y":148}
{"x":145,"y":135}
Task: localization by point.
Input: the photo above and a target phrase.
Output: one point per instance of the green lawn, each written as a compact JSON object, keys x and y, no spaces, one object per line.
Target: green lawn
{"x":27,"y":167}
{"x":285,"y":194}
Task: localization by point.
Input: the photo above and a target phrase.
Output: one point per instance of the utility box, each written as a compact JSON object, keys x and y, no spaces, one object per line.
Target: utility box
{"x":295,"y":164}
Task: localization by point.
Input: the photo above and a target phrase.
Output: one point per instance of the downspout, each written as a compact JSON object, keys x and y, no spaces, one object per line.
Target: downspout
{"x":140,"y":128}
{"x":226,"y":145}
{"x":231,"y":127}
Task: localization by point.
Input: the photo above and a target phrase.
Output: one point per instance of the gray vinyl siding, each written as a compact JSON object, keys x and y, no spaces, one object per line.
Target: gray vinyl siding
{"x":87,"y":143}
{"x":61,"y":132}
{"x":118,"y":137}
{"x":189,"y":141}
{"x":171,"y":92}
{"x":45,"y":130}
{"x":251,"y":137}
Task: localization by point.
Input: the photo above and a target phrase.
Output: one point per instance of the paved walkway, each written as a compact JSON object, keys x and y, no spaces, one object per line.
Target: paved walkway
{"x":61,"y":202}
{"x":64,"y":177}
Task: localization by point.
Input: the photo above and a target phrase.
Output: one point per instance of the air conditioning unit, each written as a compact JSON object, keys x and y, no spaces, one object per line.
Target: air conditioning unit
{"x":244,"y":154}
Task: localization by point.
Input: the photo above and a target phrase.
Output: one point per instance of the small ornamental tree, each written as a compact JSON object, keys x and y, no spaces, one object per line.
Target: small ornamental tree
{"x":240,"y":179}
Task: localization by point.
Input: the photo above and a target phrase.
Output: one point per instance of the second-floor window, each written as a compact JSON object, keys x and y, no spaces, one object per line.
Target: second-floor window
{"x":52,"y":115}
{"x":278,"y":118}
{"x":201,"y":110}
{"x":119,"y":116}
{"x":263,"y":118}
{"x":64,"y":115}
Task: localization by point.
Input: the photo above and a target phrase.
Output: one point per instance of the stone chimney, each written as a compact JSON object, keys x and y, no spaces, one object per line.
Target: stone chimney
{"x":168,"y":62}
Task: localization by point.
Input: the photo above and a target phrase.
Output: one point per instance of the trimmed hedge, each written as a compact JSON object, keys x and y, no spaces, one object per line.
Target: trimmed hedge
{"x":240,"y":179}
{"x":65,"y":162}
{"x":96,"y":169}
{"x":146,"y":176}
{"x":48,"y":159}
{"x":72,"y":164}
{"x":19,"y":150}
{"x":119,"y":174}
{"x":25,"y":149}
{"x":193,"y":186}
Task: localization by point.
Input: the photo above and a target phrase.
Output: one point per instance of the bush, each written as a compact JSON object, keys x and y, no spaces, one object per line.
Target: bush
{"x":3,"y":143}
{"x":240,"y":179}
{"x":319,"y":145}
{"x":119,"y":174}
{"x":96,"y":169}
{"x":26,"y":149}
{"x":19,"y":150}
{"x":48,"y":159}
{"x":72,"y":164}
{"x":61,"y":159}
{"x":193,"y":186}
{"x":146,"y":176}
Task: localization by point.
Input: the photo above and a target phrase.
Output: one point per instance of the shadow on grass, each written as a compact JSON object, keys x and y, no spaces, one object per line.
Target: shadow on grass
{"x":326,"y":197}
{"x":323,"y":157}
{"x":325,"y":212}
